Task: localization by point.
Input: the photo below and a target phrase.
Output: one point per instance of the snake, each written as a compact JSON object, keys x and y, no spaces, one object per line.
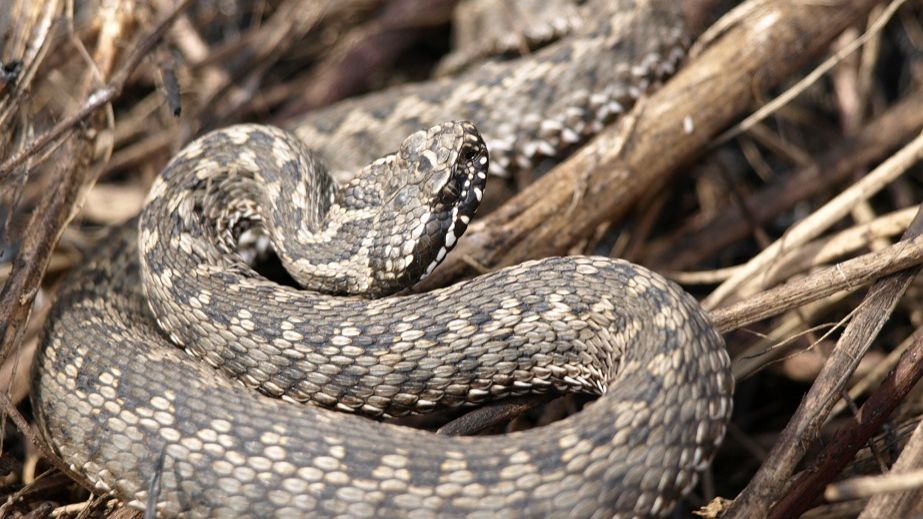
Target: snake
{"x":175,"y":378}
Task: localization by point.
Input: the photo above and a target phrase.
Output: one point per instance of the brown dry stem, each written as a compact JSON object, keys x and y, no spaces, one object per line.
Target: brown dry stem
{"x":844,"y":445}
{"x":58,"y":205}
{"x":910,"y":502}
{"x":703,"y":237}
{"x":867,"y":486}
{"x":847,"y":275}
{"x":804,"y":427}
{"x":750,"y":277}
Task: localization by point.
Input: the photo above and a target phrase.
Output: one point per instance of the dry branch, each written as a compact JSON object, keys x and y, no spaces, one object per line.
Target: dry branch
{"x":703,"y":238}
{"x":94,"y":100}
{"x":877,"y":373}
{"x":848,"y":275}
{"x":867,"y":486}
{"x":813,"y":254}
{"x":804,"y":427}
{"x":844,"y":445}
{"x":820,"y":220}
{"x":28,"y":44}
{"x":910,"y":502}
{"x":58,"y":205}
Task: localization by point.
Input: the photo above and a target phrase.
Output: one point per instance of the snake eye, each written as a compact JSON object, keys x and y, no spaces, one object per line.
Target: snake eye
{"x":471,"y":154}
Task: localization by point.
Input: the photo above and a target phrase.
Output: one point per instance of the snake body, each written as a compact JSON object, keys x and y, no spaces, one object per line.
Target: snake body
{"x":530,"y":110}
{"x":122,"y":404}
{"x":156,"y":425}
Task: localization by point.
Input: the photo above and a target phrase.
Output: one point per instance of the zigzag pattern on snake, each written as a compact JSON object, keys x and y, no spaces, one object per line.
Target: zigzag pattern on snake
{"x":116,"y":398}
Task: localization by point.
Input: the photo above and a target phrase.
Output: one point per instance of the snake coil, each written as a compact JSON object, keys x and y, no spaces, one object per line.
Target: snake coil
{"x":117,"y":399}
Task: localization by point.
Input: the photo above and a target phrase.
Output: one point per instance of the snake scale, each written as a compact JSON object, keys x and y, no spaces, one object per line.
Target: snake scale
{"x":135,"y":415}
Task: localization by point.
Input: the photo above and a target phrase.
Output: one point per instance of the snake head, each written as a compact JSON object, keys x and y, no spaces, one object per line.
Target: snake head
{"x":408,"y":209}
{"x":450,"y":164}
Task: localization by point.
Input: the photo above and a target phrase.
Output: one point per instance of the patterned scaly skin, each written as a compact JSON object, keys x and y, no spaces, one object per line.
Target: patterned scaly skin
{"x":530,"y":110}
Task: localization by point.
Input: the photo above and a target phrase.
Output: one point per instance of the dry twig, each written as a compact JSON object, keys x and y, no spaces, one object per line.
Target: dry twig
{"x":910,"y":502}
{"x":843,"y":446}
{"x":704,"y":237}
{"x":803,"y":428}
{"x":819,"y":221}
{"x":850,"y":274}
{"x":868,"y":486}
{"x":58,"y":204}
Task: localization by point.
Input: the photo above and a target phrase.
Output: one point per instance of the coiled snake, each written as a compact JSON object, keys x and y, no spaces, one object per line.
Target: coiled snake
{"x":122,"y":405}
